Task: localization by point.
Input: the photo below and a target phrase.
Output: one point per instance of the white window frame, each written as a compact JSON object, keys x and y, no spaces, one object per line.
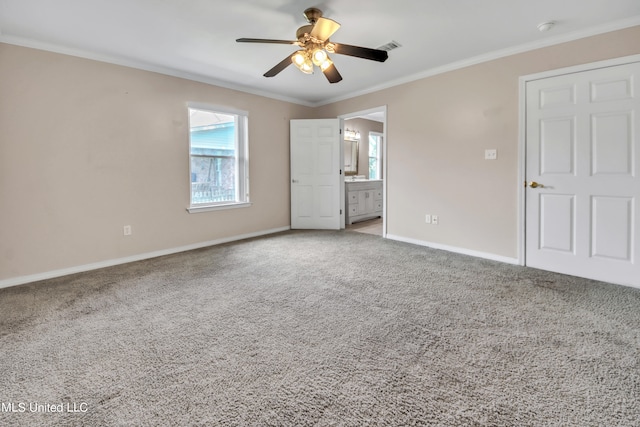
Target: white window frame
{"x":242,"y":159}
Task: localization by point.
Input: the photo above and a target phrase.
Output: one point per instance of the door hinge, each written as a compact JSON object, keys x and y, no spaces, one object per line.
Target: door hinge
{"x":340,"y":172}
{"x":340,"y":131}
{"x":340,"y":211}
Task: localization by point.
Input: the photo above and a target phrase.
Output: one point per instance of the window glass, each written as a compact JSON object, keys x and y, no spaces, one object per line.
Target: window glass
{"x":375,"y":159}
{"x":217,"y":145}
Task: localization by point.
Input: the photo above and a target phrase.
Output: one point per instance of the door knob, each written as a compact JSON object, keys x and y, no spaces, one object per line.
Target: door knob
{"x":533,"y":184}
{"x":294,"y":181}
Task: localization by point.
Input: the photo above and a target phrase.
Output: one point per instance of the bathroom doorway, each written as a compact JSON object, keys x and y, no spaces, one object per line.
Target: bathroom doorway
{"x":365,"y":154}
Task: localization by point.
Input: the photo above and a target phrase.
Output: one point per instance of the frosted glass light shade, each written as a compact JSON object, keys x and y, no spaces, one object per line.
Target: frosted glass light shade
{"x":319,"y":56}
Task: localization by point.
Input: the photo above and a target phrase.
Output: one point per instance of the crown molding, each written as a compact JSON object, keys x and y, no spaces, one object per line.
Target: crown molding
{"x":140,"y":65}
{"x":490,"y":56}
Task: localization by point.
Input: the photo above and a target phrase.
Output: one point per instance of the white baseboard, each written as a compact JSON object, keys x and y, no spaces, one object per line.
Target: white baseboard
{"x":457,"y":250}
{"x":21,"y":280}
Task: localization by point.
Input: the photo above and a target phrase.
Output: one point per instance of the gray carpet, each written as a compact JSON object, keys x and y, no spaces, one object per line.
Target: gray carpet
{"x":320,"y":328}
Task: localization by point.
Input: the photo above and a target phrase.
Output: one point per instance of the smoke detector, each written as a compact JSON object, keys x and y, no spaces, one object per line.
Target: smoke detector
{"x":543,"y":27}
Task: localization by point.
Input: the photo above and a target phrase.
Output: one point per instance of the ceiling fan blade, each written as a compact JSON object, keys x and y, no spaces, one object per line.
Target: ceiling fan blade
{"x":361,"y":52}
{"x":324,"y":28}
{"x":245,"y":40}
{"x":281,"y":66}
{"x":332,"y":74}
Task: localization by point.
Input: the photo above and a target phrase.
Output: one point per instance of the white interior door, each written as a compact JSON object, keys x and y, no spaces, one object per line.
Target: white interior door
{"x":316,"y":179}
{"x":583,"y":153}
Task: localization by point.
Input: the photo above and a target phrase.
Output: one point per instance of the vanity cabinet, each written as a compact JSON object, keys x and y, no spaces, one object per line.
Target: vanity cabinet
{"x":363,"y":200}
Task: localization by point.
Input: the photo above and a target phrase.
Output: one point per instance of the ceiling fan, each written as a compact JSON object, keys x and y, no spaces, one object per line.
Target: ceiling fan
{"x":314,"y":41}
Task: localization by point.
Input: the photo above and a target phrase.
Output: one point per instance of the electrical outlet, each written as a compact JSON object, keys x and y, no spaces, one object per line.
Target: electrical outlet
{"x":434,"y":219}
{"x":127,"y":230}
{"x":491,"y":154}
{"x":427,"y":219}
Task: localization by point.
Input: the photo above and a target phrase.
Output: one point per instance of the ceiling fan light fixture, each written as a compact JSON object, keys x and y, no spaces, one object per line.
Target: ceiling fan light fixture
{"x":319,"y":56}
{"x":314,"y":46}
{"x":307,"y":66}
{"x":302,"y":60}
{"x":298,"y":58}
{"x":326,"y":64}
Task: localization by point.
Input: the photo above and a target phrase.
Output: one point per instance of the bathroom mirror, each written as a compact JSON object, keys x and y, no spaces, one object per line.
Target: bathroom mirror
{"x":350,"y":157}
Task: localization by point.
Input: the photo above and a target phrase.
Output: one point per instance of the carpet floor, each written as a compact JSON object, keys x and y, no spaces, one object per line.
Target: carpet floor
{"x":319,"y":328}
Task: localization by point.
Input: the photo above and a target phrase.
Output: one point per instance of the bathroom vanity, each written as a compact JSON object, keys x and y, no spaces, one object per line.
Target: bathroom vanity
{"x":363,"y":199}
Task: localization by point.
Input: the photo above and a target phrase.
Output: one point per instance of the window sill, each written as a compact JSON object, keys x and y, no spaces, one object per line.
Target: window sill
{"x":219,"y":207}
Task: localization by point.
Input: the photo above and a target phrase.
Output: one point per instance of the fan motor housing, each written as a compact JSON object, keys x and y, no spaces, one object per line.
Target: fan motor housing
{"x":312,"y":14}
{"x":305,"y":29}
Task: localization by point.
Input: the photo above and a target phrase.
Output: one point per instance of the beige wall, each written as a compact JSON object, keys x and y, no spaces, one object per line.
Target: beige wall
{"x":87,"y":147}
{"x":363,"y":126}
{"x":437,"y":131}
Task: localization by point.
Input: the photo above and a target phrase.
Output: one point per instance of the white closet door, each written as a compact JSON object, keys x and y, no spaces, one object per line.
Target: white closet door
{"x":583,"y":189}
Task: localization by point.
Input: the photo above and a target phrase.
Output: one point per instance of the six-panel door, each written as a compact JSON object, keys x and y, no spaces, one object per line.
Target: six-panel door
{"x":583,"y":151}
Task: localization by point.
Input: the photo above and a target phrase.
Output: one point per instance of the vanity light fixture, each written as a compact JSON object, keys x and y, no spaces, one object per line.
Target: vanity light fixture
{"x":351,"y":134}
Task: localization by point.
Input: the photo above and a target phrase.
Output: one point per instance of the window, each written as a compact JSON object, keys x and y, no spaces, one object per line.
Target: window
{"x":375,"y":155}
{"x":218,"y":151}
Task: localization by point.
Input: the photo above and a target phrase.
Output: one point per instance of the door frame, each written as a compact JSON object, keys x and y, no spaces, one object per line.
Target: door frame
{"x":522,"y":132}
{"x":354,"y":115}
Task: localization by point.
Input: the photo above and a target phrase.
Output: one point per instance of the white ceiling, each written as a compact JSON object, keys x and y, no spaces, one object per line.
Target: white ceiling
{"x":196,"y":38}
